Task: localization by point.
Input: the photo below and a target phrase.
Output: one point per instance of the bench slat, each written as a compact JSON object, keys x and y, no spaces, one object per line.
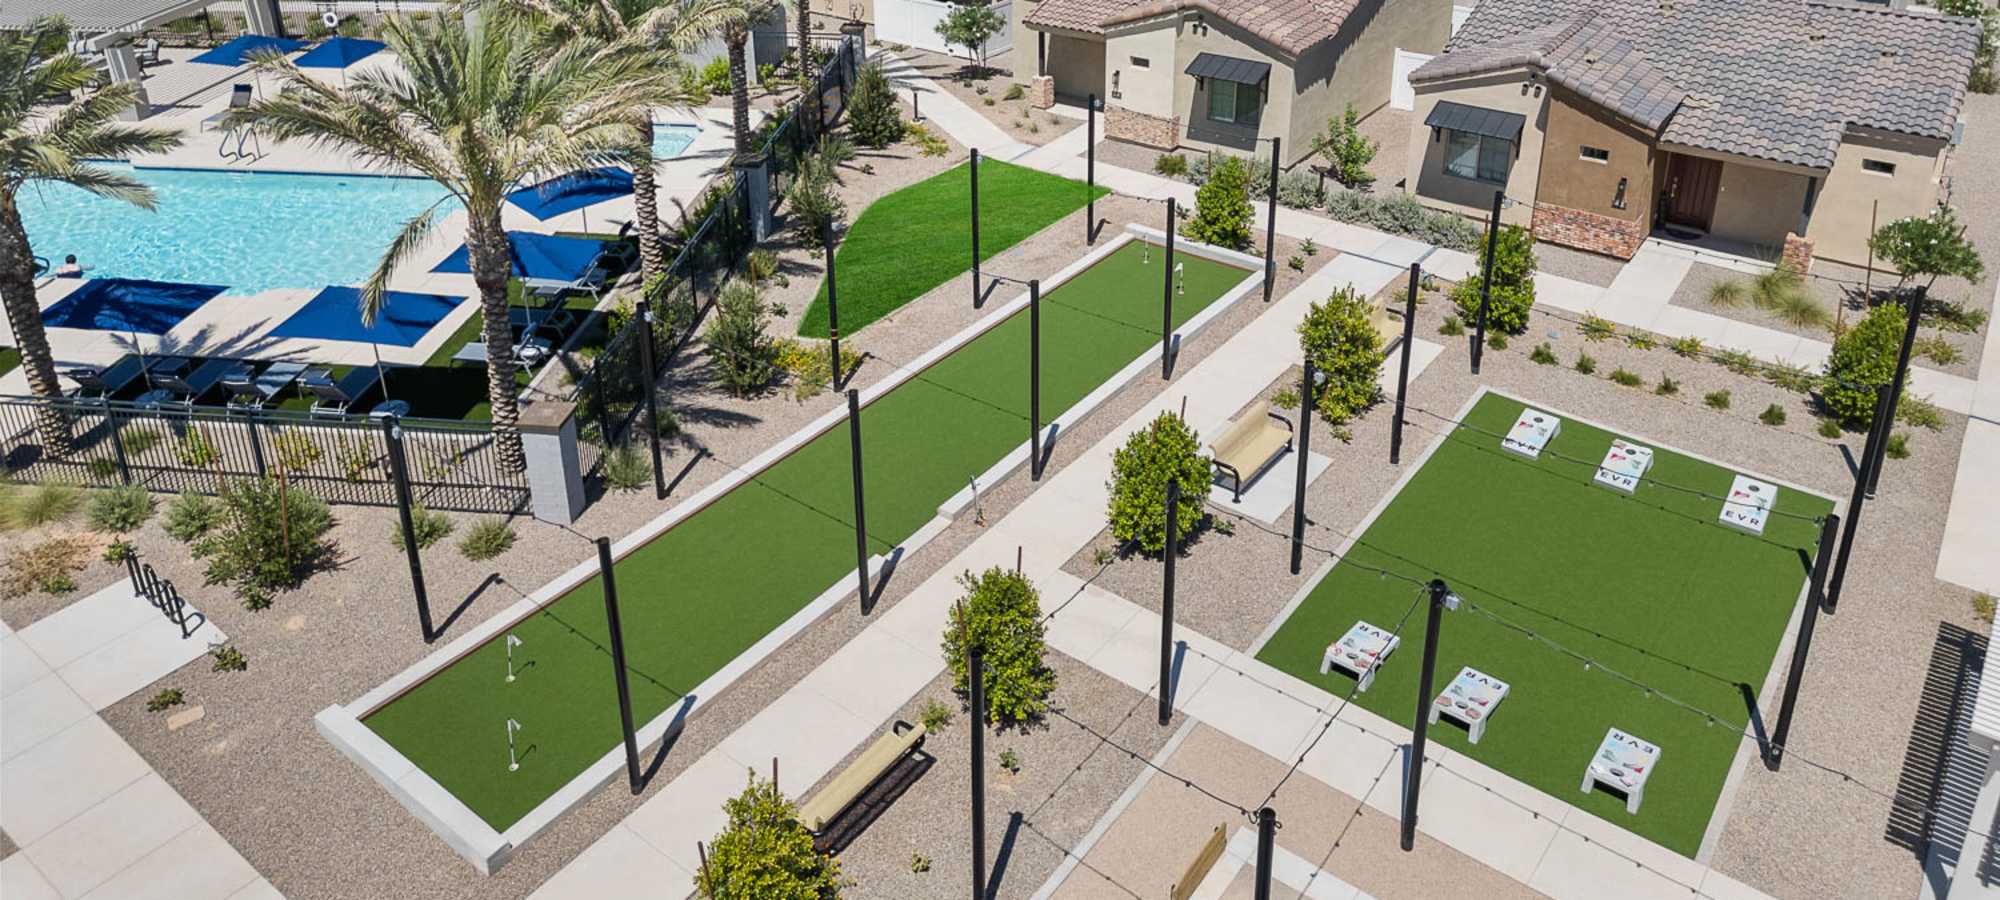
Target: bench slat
{"x":856,"y":778}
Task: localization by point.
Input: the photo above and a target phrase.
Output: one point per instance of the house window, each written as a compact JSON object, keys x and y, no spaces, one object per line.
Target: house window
{"x":1241,"y":104}
{"x":1878,"y":167}
{"x":1478,"y":157}
{"x":1140,"y":62}
{"x":1594,"y":154}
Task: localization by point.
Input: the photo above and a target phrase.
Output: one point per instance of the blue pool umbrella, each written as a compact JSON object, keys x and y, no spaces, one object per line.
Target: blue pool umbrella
{"x":335,"y":314}
{"x":239,"y":50}
{"x":545,"y":256}
{"x":129,"y":305}
{"x":339,"y":53}
{"x":573,"y":191}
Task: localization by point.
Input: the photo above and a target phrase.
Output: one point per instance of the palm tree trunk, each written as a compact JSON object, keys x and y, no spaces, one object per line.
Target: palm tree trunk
{"x":652,"y":258}
{"x":805,"y":42}
{"x":24,"y":316}
{"x":739,"y":88}
{"x":487,"y":242}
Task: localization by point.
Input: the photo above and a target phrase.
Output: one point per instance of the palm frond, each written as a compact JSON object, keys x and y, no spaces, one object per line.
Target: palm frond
{"x":411,"y":237}
{"x":104,"y":183}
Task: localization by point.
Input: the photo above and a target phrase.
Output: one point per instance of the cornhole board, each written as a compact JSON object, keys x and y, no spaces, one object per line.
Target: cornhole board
{"x":1360,"y":652}
{"x":1532,"y":431}
{"x":1749,"y":504}
{"x":1472,"y":698}
{"x":1624,"y":465}
{"x":1622,"y":763}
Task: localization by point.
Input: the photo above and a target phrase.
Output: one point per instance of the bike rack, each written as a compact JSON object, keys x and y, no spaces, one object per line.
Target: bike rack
{"x":161,"y":594}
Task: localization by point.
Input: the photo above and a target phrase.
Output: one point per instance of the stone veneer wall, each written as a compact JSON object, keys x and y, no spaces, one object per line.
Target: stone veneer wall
{"x":1042,"y":92}
{"x":1798,"y":255}
{"x":1589,"y":231}
{"x":1142,"y":129}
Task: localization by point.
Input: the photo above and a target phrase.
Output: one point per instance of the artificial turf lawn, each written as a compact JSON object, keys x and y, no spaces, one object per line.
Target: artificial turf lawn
{"x":917,"y":238}
{"x":704,"y":591}
{"x":10,"y":359}
{"x":1651,"y":586}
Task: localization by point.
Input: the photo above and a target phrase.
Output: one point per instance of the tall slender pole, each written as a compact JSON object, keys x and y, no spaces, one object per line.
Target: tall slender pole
{"x":1167,"y":297}
{"x":1090,"y":171}
{"x":648,"y":376}
{"x":1173,"y":549}
{"x":1486,"y":281}
{"x":832,"y":307}
{"x":1802,"y":648}
{"x":1267,"y":837}
{"x":1916,"y":309}
{"x":1855,"y":500}
{"x":975,"y":227}
{"x":1035,"y":378}
{"x":1403,"y":365}
{"x":1306,"y":394}
{"x":610,"y":583}
{"x":1271,"y":226}
{"x":399,"y":470}
{"x":975,"y":685}
{"x":1414,"y":783}
{"x":860,"y":508}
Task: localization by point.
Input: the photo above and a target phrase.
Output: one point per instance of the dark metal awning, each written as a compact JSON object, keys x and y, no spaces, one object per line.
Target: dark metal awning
{"x":1229,"y":68}
{"x":1486,"y":122}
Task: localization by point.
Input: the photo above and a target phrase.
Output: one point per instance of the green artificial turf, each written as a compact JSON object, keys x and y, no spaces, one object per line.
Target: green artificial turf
{"x":1650,"y":586}
{"x":917,"y":238}
{"x":700,"y":594}
{"x":10,"y":358}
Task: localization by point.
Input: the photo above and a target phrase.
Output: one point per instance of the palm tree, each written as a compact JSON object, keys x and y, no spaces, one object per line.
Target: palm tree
{"x":804,"y":25}
{"x":46,"y":136}
{"x":676,"y":26}
{"x":735,"y":35}
{"x":483,"y":109}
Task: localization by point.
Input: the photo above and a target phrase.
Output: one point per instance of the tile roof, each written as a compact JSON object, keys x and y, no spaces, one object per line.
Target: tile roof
{"x":1292,"y":26}
{"x":1770,"y":79}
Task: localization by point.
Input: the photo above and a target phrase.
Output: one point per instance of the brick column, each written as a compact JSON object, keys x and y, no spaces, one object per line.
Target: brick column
{"x":1798,"y":255}
{"x":1042,"y":92}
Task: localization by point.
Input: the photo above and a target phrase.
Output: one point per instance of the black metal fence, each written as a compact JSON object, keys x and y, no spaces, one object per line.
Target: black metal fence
{"x":340,"y":459}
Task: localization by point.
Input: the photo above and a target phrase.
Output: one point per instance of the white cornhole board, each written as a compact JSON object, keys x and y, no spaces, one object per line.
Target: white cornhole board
{"x":1472,"y":698}
{"x":1622,"y":763}
{"x":1532,"y":431}
{"x":1360,"y":652}
{"x":1623,"y":466}
{"x":1749,"y":504}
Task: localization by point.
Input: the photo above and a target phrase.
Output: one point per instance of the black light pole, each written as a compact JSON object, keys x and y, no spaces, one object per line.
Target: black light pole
{"x":1271,"y":226}
{"x":860,"y":509}
{"x":1306,"y":394}
{"x":1803,"y":647}
{"x":975,"y":228}
{"x":916,"y":112}
{"x":1440,"y":597}
{"x":1035,"y":379}
{"x":1167,"y":297}
{"x":1486,"y":281}
{"x":399,"y":470}
{"x":832,"y":306}
{"x":1896,"y":389}
{"x":1403,"y":366}
{"x":975,"y":684}
{"x":604,"y":574}
{"x":1267,"y":834}
{"x":647,"y":376}
{"x":1854,"y":501}
{"x":1090,"y":171}
{"x":1167,"y":605}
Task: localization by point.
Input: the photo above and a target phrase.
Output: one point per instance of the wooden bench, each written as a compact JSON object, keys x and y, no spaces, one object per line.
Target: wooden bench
{"x":1249,"y":444}
{"x":848,"y":786}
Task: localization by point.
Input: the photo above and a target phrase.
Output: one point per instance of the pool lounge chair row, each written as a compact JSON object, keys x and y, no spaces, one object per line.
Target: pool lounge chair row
{"x":177,"y":381}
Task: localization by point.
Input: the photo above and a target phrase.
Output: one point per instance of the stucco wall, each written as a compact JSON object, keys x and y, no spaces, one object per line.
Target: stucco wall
{"x":1504,"y":91}
{"x":1757,"y":205}
{"x":1077,"y":64}
{"x":1226,"y":39}
{"x":1583,"y":184}
{"x":1149,"y":89}
{"x":1355,"y":66}
{"x":1839,"y":226}
{"x":1022,"y":60}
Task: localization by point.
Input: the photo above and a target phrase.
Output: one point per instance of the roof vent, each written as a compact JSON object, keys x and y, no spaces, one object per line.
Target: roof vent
{"x":1890,"y":53}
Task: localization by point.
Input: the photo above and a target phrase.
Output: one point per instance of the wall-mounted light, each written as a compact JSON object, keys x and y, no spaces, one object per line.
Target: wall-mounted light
{"x":1618,"y":199}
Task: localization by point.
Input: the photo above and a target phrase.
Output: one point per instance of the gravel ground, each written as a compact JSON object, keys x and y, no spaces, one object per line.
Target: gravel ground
{"x":1154,"y":839}
{"x":1067,"y":779}
{"x":1580,"y":265}
{"x":19,"y":610}
{"x":1021,"y":121}
{"x":256,"y":769}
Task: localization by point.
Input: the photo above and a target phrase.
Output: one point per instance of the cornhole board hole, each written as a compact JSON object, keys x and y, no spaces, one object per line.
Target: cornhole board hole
{"x":1360,"y":652}
{"x":1749,"y":504}
{"x":1532,"y":431}
{"x":1624,"y":465}
{"x":1622,"y":763}
{"x":1471,"y":699}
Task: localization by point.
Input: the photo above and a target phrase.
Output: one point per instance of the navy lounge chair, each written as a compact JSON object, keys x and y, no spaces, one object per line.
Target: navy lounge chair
{"x":96,"y":382}
{"x":256,"y":389}
{"x":187,"y":387}
{"x":335,"y":397}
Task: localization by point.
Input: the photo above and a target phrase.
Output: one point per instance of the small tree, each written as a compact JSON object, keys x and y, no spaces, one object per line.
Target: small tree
{"x":970,"y":25}
{"x":1346,"y":150}
{"x":872,"y":114}
{"x":1863,"y":359}
{"x":1166,"y":450}
{"x":1927,"y":247}
{"x":1982,"y":80}
{"x":1002,"y":613}
{"x":1345,"y":348}
{"x":1222,"y":210}
{"x":742,"y":352}
{"x":814,"y":204}
{"x":765,"y":853}
{"x":1513,"y":292}
{"x":269,"y":539}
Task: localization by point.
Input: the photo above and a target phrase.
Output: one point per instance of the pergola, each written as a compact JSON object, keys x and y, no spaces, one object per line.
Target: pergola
{"x":111,"y":24}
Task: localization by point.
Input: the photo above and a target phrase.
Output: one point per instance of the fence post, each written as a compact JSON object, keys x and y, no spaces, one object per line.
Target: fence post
{"x":974,"y":167}
{"x":1440,"y":597}
{"x":860,"y":508}
{"x":1167,"y":604}
{"x":1896,"y":389}
{"x":1035,"y":379}
{"x":256,"y":443}
{"x":975,"y":686}
{"x":1271,"y":226}
{"x":399,"y":470}
{"x":1802,"y":646}
{"x":1267,"y":834}
{"x":112,"y":419}
{"x":1306,"y":400}
{"x":832,"y":307}
{"x":1090,"y":171}
{"x":1878,"y":429}
{"x":649,"y":382}
{"x":1167,"y":298}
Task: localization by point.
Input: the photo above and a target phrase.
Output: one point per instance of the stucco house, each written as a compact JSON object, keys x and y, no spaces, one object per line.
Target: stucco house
{"x":1216,"y":74}
{"x":1785,"y":125}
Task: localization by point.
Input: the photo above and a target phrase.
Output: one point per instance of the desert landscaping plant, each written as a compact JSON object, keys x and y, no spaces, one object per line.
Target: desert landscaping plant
{"x":120,"y":509}
{"x":1926,"y":248}
{"x":1513,"y":291}
{"x":1222,"y":210}
{"x":1898,"y":446}
{"x":1543,"y":354}
{"x":486,"y":539}
{"x":764,"y":852}
{"x":742,"y":351}
{"x":270,"y":538}
{"x":1451,"y":326}
{"x":1626,"y":377}
{"x":970,"y":25}
{"x":1347,"y":350}
{"x":1689,"y":346}
{"x":873,"y":116}
{"x":429,"y":527}
{"x":227,"y":659}
{"x":1716,"y":399}
{"x":42,"y":504}
{"x":1863,"y":357}
{"x":1586,"y":363}
{"x":1772,"y":415}
{"x":627,"y":469}
{"x":192,"y":515}
{"x":1165,"y":450}
{"x":1346,"y":150}
{"x":166,"y":699}
{"x":1001,"y":613}
{"x":48,"y":566}
{"x":1667,"y":386}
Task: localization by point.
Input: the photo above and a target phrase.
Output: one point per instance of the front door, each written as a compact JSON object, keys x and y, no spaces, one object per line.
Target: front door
{"x":1692,"y":182}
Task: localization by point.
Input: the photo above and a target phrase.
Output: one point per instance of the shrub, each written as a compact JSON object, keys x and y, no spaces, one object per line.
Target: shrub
{"x":813,"y":204}
{"x":192,"y":515}
{"x":1345,"y":149}
{"x":1400,"y":213}
{"x":1451,"y":326}
{"x":1285,"y":398}
{"x":927,"y":141}
{"x":714,"y":77}
{"x":1738,"y":361}
{"x":119,"y":551}
{"x":1222,"y":210}
{"x":430,"y":527}
{"x":1585,"y":363}
{"x":1689,"y":346}
{"x":1639,"y":340}
{"x":1898,"y":446}
{"x":139,"y":440}
{"x":626,"y":469}
{"x":1983,"y":606}
{"x":1729,"y":293}
{"x":1172,"y":165}
{"x":46,"y":566}
{"x":1792,"y":378}
{"x":1938,"y":349}
{"x":487,"y":538}
{"x":1829,"y":428}
{"x":1716,"y":399}
{"x":919,"y":863}
{"x":1957,"y":318}
{"x":1863,"y":358}
{"x":1011,"y":761}
{"x":270,"y":539}
{"x":1496,"y":340}
{"x":1165,"y":450}
{"x":196,"y":451}
{"x":1513,"y":291}
{"x":1772,"y":415}
{"x":120,"y":509}
{"x":1543,"y":354}
{"x":228,"y":659}
{"x":743,"y":353}
{"x":1295,"y":263}
{"x":166,"y":699}
{"x":1297,"y":190}
{"x":1001,"y":612}
{"x":1922,"y":413}
{"x":1626,"y":377}
{"x":872,"y":114}
{"x":1596,"y":328}
{"x":43,"y":504}
{"x":810,"y":365}
{"x":1347,"y":350}
{"x":1667,"y":386}
{"x":935,"y":716}
{"x":1014,"y":92}
{"x":764,"y":852}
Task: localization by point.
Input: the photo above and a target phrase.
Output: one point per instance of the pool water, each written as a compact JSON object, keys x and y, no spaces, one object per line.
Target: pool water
{"x":251,"y":232}
{"x":671,"y":140}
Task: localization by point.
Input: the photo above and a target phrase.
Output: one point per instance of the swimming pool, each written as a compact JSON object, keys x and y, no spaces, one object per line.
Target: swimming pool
{"x":672,"y":139}
{"x":252,"y":232}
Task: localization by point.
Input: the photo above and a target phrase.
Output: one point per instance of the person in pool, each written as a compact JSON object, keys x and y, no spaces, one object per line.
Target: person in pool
{"x":69,"y":268}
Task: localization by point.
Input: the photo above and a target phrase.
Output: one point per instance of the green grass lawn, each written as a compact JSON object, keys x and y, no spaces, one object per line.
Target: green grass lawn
{"x":917,"y":238}
{"x":704,"y":591}
{"x":1650,"y":586}
{"x":10,"y":359}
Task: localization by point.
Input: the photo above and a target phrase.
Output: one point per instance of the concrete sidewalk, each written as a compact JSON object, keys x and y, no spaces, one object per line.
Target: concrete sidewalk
{"x":1967,"y":556}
